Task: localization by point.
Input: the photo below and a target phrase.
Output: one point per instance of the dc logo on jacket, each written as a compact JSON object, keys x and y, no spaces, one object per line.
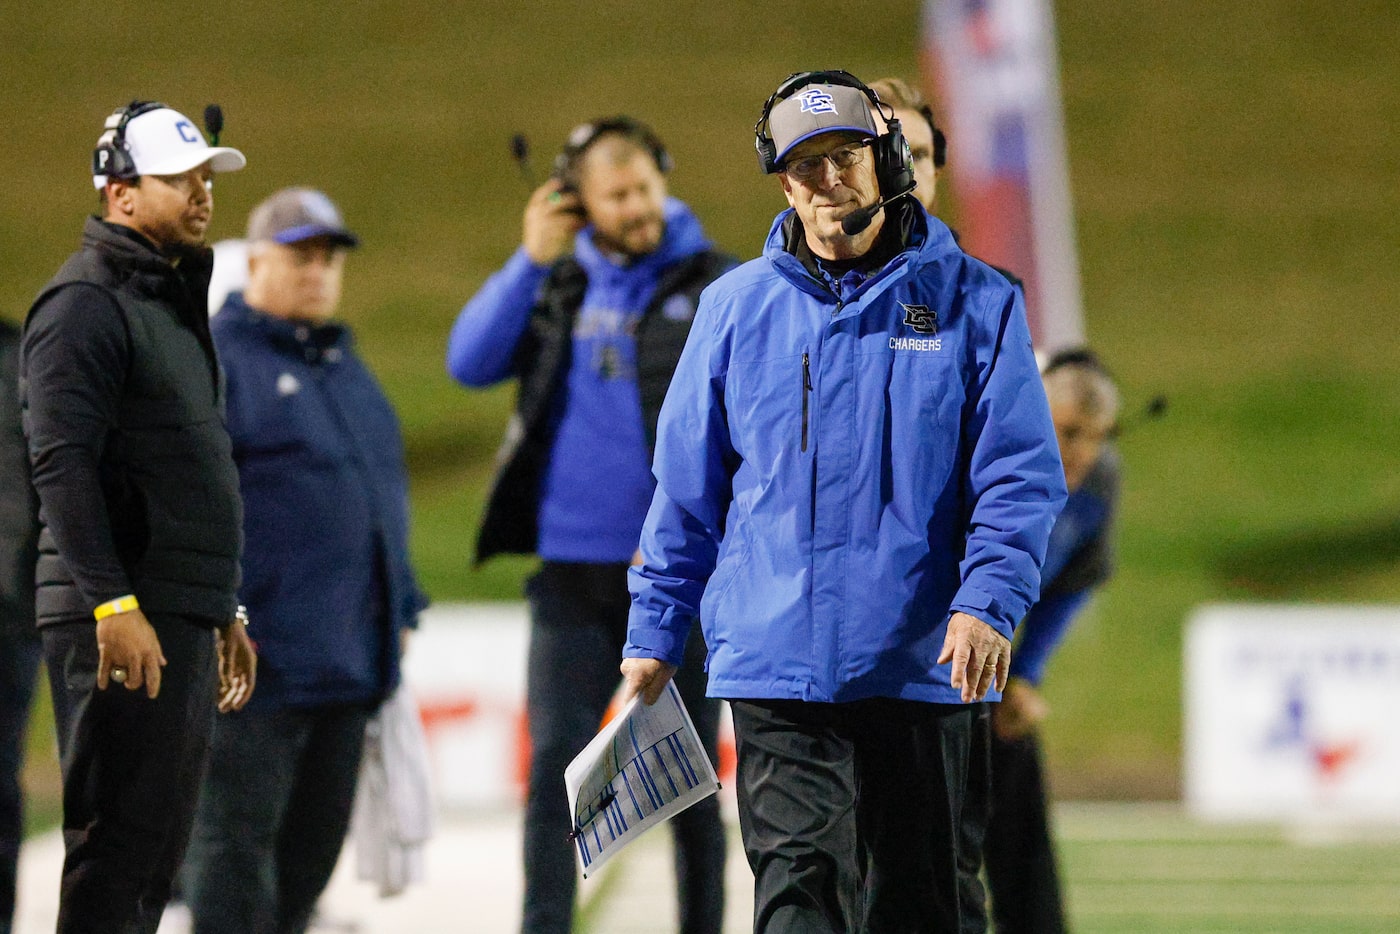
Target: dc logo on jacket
{"x":923,"y":320}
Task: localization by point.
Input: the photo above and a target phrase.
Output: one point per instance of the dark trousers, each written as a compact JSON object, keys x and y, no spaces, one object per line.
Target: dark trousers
{"x":578,"y":625}
{"x":1019,"y":851}
{"x":975,"y":814}
{"x":850,"y":813}
{"x":132,"y":767}
{"x":20,"y":652}
{"x":272,"y":817}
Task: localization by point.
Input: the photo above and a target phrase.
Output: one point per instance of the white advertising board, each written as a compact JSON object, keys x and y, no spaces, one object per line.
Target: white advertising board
{"x":1293,"y":713}
{"x":466,"y":669}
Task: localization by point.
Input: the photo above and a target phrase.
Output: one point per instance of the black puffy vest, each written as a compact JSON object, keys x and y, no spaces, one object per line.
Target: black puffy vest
{"x":167,"y":471}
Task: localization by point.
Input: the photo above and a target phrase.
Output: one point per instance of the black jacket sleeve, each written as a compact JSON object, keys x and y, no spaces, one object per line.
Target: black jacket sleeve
{"x":19,"y":523}
{"x":76,"y":353}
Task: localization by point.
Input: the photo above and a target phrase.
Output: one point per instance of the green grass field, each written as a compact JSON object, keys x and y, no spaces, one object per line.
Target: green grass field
{"x":1238,"y":210}
{"x":1127,"y":869}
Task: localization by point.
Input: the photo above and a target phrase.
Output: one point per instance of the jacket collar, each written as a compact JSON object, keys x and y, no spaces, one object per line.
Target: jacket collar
{"x":909,"y":231}
{"x":131,"y":254}
{"x":310,"y":342}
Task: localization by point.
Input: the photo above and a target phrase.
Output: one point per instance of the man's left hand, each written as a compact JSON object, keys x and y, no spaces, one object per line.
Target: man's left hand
{"x":980,"y":656}
{"x":238,"y":667}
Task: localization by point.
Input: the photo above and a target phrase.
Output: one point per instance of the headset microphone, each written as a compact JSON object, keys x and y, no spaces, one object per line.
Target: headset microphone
{"x":1155,"y":408}
{"x":520,"y":152}
{"x":855,"y":222}
{"x":214,"y":122}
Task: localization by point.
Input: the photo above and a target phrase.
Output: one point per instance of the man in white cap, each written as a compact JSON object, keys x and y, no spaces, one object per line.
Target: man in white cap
{"x":140,"y":518}
{"x":856,"y":476}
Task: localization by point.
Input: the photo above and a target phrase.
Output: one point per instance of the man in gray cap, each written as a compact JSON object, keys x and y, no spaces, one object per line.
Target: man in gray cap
{"x":856,"y":478}
{"x":326,"y":576}
{"x":141,"y":525}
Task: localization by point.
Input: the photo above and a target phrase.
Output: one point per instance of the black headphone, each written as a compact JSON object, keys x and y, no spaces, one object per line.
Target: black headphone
{"x":1081,"y":357}
{"x":112,"y":157}
{"x":940,"y":142}
{"x":586,"y":134}
{"x":894,"y":169}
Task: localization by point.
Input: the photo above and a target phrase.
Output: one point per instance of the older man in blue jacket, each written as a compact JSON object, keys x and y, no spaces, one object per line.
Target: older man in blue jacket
{"x":326,"y":576}
{"x":856,"y":478}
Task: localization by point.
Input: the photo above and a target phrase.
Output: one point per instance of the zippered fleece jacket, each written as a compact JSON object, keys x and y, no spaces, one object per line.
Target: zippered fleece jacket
{"x":837,"y":475}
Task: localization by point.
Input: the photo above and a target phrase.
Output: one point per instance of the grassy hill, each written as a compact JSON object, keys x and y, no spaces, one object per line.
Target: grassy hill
{"x":1237,"y":222}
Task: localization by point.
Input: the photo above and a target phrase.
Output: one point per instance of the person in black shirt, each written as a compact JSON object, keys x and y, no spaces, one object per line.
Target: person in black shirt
{"x":140,"y":518}
{"x":19,"y":642}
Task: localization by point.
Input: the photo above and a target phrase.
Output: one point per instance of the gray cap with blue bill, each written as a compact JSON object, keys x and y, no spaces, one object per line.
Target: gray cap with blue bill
{"x":817,"y":109}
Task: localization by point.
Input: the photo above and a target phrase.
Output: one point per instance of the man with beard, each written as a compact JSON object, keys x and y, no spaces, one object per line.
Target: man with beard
{"x":141,"y":525}
{"x":590,"y":315}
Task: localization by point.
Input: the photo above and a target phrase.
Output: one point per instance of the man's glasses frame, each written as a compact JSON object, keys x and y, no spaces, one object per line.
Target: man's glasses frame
{"x":842,"y":157}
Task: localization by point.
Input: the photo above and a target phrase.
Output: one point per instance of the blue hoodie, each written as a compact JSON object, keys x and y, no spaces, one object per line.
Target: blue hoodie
{"x":598,"y":483}
{"x":835,"y":477}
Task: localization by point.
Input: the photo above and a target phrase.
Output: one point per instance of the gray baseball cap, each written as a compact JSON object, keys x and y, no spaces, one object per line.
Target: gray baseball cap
{"x":296,"y":214}
{"x":817,"y":109}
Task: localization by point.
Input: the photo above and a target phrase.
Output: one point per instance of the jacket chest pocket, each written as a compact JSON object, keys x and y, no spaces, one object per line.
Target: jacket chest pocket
{"x":772,"y":407}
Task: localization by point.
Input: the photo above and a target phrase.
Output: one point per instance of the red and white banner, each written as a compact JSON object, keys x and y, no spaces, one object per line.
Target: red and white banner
{"x":992,"y":67}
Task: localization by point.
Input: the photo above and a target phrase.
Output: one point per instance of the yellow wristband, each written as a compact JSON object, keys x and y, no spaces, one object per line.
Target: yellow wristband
{"x":112,"y":607}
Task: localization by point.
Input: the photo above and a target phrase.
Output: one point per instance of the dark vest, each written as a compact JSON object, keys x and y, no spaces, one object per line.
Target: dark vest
{"x":510,"y":523}
{"x":167,"y":470}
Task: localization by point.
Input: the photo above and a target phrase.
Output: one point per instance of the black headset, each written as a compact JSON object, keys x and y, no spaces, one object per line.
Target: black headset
{"x":894,"y":169}
{"x":940,"y":142}
{"x":112,"y":157}
{"x":586,"y":134}
{"x":1081,"y":357}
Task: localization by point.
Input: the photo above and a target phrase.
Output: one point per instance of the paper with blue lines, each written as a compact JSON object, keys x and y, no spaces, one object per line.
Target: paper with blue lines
{"x":645,"y":766}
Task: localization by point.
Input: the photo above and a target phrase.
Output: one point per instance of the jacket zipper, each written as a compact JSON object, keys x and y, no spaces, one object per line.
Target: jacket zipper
{"x":806,"y":394}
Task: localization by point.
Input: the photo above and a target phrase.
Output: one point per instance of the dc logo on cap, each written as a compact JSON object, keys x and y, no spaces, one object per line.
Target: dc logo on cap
{"x":817,"y":101}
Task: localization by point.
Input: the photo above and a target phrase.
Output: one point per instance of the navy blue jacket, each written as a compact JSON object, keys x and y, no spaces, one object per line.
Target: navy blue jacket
{"x":326,"y":573}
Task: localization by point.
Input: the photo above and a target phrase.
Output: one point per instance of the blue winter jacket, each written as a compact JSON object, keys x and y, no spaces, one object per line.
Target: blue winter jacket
{"x":326,"y":573}
{"x":835,"y":477}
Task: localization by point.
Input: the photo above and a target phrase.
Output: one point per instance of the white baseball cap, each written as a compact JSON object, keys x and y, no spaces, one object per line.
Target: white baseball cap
{"x":164,"y":142}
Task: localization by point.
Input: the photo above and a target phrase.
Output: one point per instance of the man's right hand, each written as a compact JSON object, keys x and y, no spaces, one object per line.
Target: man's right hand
{"x":128,"y":641}
{"x":553,"y":216}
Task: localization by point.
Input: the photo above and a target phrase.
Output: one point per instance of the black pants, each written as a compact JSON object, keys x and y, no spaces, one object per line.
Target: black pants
{"x":132,"y":767}
{"x":578,"y":625}
{"x":20,"y":652}
{"x":851,"y":813}
{"x":1019,"y":851}
{"x":975,"y":814}
{"x":272,"y":818}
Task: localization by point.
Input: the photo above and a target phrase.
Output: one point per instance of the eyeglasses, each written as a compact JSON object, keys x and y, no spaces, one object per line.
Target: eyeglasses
{"x":842,"y":157}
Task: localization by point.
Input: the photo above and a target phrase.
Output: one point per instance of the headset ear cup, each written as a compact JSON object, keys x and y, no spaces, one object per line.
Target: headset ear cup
{"x":767,"y":154}
{"x":894,"y":166}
